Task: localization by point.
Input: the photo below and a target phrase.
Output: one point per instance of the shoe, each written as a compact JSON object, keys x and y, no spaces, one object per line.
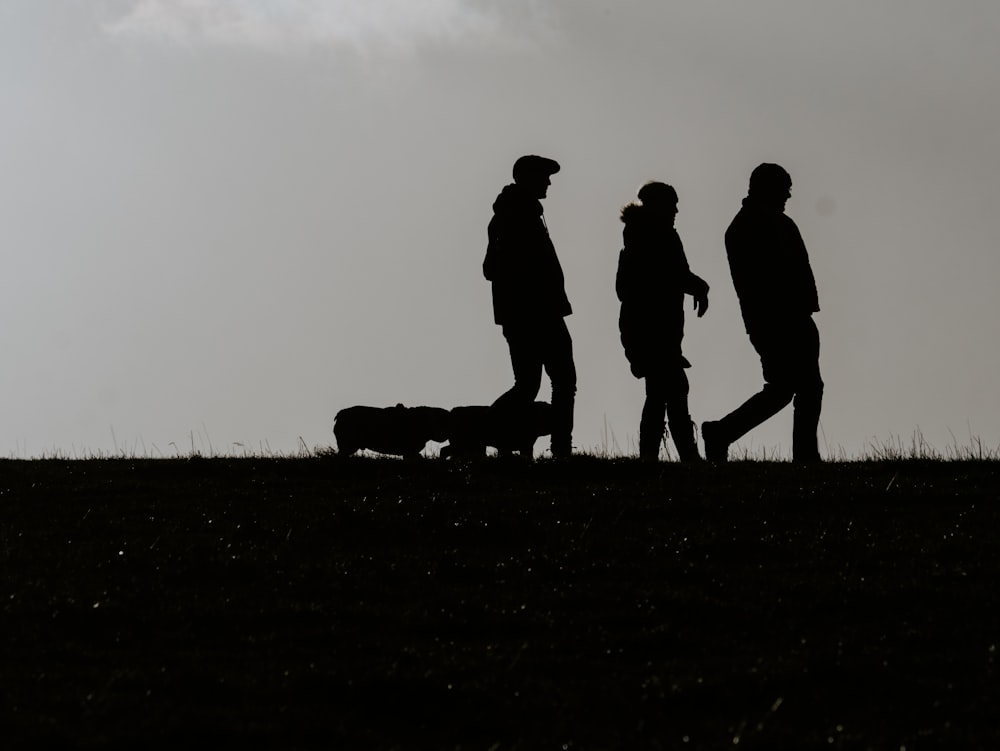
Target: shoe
{"x":716,"y":447}
{"x":649,"y":453}
{"x":682,"y":431}
{"x":690,"y":458}
{"x":809,"y":458}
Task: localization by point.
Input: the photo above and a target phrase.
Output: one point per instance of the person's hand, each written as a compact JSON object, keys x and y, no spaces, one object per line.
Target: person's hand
{"x":700,"y":295}
{"x":701,"y":303}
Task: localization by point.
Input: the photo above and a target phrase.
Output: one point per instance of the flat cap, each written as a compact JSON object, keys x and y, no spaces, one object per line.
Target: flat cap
{"x":531,"y":164}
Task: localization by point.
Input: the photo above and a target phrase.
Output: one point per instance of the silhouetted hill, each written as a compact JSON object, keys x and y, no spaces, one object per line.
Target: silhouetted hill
{"x":588,"y":603}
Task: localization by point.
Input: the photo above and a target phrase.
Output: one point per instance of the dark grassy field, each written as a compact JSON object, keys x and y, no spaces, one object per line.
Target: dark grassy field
{"x":582,"y":604}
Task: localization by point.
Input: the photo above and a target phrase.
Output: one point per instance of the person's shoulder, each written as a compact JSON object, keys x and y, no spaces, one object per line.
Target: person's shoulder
{"x":788,"y":222}
{"x":739,"y":221}
{"x":508,"y":199}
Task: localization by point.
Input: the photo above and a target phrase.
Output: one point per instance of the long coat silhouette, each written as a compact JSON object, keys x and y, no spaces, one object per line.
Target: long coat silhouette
{"x":770,"y":269}
{"x":653,"y":278}
{"x":521,"y":261}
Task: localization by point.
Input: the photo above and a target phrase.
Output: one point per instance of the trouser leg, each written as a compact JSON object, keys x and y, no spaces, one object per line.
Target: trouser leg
{"x":808,"y":398}
{"x":760,"y":407}
{"x":651,"y":423}
{"x":805,"y":425}
{"x":511,"y":411}
{"x":679,"y":416}
{"x":777,"y":362}
{"x":562,"y":373}
{"x":526,"y":360}
{"x":790,"y":361}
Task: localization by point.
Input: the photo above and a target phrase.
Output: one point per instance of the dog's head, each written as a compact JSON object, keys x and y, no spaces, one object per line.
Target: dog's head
{"x":434,"y":422}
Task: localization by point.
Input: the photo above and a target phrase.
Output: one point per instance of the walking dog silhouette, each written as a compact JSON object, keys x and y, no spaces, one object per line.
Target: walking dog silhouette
{"x":399,"y":430}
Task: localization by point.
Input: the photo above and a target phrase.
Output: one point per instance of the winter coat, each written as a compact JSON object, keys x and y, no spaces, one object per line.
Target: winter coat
{"x":653,"y":277}
{"x":770,"y":269}
{"x":521,"y":262}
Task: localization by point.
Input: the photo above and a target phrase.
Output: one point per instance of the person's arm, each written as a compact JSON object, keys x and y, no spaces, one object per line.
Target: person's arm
{"x":745,"y":268}
{"x":623,"y":279}
{"x":806,"y":281}
{"x":698,"y":289}
{"x":493,"y":263}
{"x":626,"y":281}
{"x":692,"y":284}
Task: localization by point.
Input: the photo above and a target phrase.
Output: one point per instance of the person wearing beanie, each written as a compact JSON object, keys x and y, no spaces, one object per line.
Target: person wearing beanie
{"x":653,"y":278}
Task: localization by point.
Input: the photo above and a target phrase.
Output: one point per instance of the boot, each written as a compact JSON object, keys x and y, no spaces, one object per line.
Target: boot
{"x":687,"y":447}
{"x":562,"y":447}
{"x":716,"y":444}
{"x":650,"y":438}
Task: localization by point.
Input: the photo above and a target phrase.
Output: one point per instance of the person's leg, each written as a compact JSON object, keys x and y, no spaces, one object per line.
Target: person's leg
{"x":526,"y":360}
{"x":808,"y":397}
{"x":651,"y":423}
{"x":776,"y":394}
{"x":679,"y":416}
{"x":559,"y":365}
{"x":512,"y":408}
{"x":763,"y":405}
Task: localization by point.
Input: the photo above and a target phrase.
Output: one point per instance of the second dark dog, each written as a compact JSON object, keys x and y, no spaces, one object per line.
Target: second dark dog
{"x":475,"y":428}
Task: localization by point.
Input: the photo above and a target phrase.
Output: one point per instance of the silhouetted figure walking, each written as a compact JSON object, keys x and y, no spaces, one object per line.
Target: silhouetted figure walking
{"x":529,"y":298}
{"x":653,"y":277}
{"x":777,"y":293}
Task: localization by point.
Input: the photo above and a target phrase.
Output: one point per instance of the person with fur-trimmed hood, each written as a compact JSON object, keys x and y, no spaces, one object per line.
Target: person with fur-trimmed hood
{"x":653,"y":278}
{"x":529,"y":299}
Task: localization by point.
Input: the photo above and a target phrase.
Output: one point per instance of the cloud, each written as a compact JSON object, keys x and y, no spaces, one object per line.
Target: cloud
{"x":363,"y":25}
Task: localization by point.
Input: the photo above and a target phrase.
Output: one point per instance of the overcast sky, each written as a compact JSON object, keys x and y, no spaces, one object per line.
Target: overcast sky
{"x":224,"y":220}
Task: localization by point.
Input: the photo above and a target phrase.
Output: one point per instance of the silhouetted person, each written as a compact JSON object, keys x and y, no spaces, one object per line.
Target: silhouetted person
{"x":653,"y":278}
{"x":529,"y":298}
{"x":777,"y":293}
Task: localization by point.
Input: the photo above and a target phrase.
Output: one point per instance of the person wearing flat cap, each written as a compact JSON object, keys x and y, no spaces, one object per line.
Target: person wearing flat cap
{"x":529,"y":299}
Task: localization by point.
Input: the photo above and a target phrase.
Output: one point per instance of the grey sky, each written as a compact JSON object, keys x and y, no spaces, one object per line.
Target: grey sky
{"x":226,"y":220}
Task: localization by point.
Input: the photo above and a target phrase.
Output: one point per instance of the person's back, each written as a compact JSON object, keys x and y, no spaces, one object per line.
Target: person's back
{"x":529,"y":299}
{"x":652,"y":271}
{"x":777,"y":293}
{"x":650,"y":283}
{"x":770,"y":267}
{"x":521,"y":261}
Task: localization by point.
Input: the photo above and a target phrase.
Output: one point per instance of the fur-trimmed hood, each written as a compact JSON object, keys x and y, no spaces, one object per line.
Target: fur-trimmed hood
{"x":634,"y":213}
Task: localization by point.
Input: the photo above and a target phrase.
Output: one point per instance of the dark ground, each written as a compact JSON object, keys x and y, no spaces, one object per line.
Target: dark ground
{"x":583,"y":604}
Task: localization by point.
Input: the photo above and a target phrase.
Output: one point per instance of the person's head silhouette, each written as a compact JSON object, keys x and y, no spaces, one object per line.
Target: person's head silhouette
{"x":532,"y":173}
{"x":771,"y":185}
{"x":659,"y":198}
